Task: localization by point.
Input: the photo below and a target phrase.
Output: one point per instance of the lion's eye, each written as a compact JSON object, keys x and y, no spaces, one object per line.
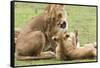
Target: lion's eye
{"x":59,"y":15}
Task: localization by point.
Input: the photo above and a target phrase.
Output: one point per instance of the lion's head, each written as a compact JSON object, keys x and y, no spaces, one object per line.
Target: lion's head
{"x":57,"y":18}
{"x":66,"y":39}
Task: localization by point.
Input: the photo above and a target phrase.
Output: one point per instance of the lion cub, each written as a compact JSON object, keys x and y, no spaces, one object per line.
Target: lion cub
{"x":67,"y":47}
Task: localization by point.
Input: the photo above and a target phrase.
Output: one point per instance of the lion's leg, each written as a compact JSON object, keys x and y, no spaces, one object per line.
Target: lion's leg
{"x":94,"y":53}
{"x":60,"y":55}
{"x":30,"y":47}
{"x":22,"y":58}
{"x":48,"y":54}
{"x":83,"y":52}
{"x":91,"y":45}
{"x":87,"y":51}
{"x":43,"y":55}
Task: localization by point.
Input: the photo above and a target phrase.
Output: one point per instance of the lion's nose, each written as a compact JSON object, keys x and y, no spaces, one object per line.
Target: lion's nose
{"x":63,"y":25}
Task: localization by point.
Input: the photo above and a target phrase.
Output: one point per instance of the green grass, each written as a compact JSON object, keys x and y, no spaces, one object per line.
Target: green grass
{"x":79,"y":17}
{"x":51,"y":61}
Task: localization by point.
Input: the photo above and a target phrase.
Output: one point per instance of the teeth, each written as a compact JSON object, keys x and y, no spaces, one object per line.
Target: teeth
{"x":66,"y":26}
{"x":63,"y":30}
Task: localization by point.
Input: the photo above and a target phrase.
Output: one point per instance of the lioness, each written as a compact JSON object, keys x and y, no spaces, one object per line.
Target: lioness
{"x":67,"y":47}
{"x":36,"y":36}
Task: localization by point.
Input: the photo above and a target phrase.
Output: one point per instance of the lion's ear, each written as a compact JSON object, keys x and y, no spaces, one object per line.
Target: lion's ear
{"x":55,"y":38}
{"x":49,"y":8}
{"x":61,"y":6}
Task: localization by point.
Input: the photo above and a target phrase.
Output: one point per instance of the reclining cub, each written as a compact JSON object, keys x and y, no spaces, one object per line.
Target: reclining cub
{"x":67,"y":47}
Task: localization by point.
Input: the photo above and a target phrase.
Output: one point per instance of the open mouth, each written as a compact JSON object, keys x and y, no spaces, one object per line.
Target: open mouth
{"x":63,"y":25}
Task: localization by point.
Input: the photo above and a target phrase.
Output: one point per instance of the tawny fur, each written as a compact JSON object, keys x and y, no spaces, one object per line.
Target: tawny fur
{"x":67,"y":47}
{"x":16,"y":33}
{"x":35,"y":36}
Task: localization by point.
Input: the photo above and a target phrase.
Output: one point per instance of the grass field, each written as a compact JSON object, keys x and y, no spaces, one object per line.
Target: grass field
{"x":79,"y":17}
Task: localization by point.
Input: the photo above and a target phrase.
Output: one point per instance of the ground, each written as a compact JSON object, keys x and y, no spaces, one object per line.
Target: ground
{"x":82,"y":18}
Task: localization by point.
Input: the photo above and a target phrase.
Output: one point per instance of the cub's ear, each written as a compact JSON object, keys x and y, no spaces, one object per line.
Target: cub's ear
{"x":76,"y":33}
{"x":55,"y":38}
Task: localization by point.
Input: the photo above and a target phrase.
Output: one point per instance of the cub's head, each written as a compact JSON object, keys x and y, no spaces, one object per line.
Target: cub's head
{"x":66,"y":39}
{"x":57,"y":18}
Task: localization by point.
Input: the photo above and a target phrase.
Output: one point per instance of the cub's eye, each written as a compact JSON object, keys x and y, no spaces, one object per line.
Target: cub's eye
{"x":55,"y":38}
{"x":66,"y":35}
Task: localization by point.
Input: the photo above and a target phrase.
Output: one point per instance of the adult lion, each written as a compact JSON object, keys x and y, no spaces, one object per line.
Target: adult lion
{"x":35,"y":36}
